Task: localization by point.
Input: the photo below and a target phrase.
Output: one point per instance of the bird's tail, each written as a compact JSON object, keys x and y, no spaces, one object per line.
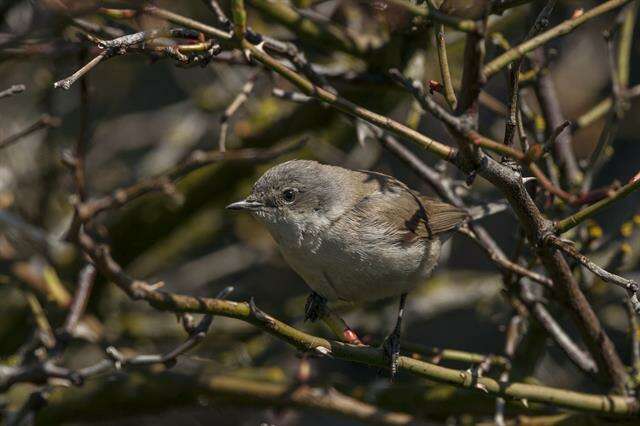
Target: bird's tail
{"x":484,"y":210}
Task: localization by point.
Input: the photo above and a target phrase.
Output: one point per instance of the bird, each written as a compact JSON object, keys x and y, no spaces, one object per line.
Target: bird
{"x":354,"y":235}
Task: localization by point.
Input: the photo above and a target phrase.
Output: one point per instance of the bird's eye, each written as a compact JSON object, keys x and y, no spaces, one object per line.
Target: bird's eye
{"x":289,"y":195}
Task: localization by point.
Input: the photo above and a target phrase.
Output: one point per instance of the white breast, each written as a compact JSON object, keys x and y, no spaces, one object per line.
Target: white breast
{"x":366,"y":269}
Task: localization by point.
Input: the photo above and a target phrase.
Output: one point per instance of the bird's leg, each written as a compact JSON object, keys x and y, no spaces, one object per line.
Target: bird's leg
{"x":340,"y":328}
{"x":391,"y":344}
{"x":315,"y":308}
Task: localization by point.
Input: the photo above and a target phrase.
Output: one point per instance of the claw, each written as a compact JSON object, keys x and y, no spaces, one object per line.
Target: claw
{"x":315,"y":307}
{"x":391,"y":347}
{"x":322,"y":351}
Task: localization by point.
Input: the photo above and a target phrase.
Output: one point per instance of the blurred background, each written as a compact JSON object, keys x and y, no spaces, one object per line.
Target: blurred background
{"x":146,"y":115}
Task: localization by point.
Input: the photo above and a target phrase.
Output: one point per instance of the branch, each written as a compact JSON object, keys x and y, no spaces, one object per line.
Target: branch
{"x":308,"y":88}
{"x":139,"y":290}
{"x":67,"y":82}
{"x":602,"y":108}
{"x":539,"y":312}
{"x":45,"y":121}
{"x":570,"y":222}
{"x":327,"y":35}
{"x":433,"y":14}
{"x":534,"y":223}
{"x":441,"y":43}
{"x":80,"y":298}
{"x":550,"y":104}
{"x":564,"y":28}
{"x":159,"y":390}
{"x":630,"y":286}
{"x":196,"y":160}
{"x":505,"y":264}
{"x":186,"y":22}
{"x":577,"y":356}
{"x":625,"y":44}
{"x":13,"y":90}
{"x":237,"y":102}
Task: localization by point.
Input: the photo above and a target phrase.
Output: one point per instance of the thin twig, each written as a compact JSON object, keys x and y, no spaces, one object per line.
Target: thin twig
{"x":547,"y":95}
{"x":67,"y":82}
{"x":13,"y":90}
{"x":195,"y":160}
{"x":223,"y":20}
{"x":441,"y":42}
{"x":576,"y":355}
{"x":80,"y":299}
{"x":116,"y":359}
{"x":629,"y":285}
{"x":507,"y":265}
{"x":564,"y":28}
{"x":237,"y":102}
{"x":634,"y":333}
{"x":186,"y":22}
{"x":512,"y":338}
{"x":570,"y":222}
{"x":45,"y":121}
{"x":541,"y":22}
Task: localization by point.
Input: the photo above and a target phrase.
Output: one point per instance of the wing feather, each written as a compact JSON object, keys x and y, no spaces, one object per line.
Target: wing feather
{"x":392,"y":206}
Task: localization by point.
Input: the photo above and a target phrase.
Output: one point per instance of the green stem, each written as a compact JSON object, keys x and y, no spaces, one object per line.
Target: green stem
{"x":608,"y":404}
{"x":570,"y":222}
{"x":239,"y":15}
{"x":441,"y":42}
{"x":564,"y":28}
{"x":626,"y":42}
{"x":176,"y":303}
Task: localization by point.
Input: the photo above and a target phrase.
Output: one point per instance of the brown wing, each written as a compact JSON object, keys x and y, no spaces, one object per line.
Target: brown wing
{"x":404,"y":212}
{"x":441,"y":216}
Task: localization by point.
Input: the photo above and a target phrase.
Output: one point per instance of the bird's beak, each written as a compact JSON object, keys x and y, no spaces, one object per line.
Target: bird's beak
{"x":245,"y":205}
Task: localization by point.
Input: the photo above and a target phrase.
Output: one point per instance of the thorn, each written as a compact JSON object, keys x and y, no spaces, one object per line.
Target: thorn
{"x":525,"y":402}
{"x":247,"y":52}
{"x":259,"y":314}
{"x":155,"y":286}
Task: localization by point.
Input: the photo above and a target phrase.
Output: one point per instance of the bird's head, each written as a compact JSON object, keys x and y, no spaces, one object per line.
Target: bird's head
{"x":295,"y":197}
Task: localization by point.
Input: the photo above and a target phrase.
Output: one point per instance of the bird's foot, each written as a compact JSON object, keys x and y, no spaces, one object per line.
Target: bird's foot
{"x":391,"y":347}
{"x":315,"y":307}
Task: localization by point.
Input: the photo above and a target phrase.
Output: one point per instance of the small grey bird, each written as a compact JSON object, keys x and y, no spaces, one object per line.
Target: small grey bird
{"x":352,"y":235}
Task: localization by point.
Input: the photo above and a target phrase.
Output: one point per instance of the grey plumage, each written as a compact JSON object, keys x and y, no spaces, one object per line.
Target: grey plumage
{"x":352,"y":235}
